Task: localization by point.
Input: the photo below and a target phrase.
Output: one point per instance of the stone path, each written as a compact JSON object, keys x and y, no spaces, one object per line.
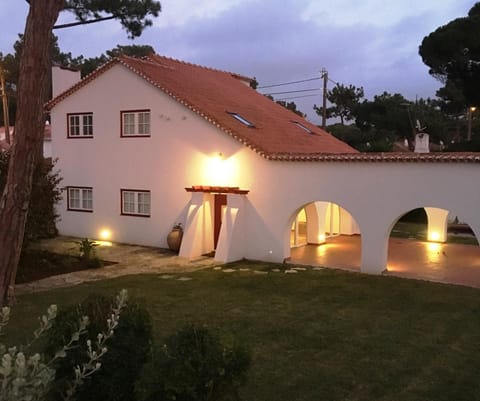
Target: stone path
{"x":131,"y":259}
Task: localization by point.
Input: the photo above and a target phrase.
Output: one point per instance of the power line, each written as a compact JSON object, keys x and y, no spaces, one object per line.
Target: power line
{"x":281,"y":93}
{"x":289,"y":83}
{"x":296,"y":97}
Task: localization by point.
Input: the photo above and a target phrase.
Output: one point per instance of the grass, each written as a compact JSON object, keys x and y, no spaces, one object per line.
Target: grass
{"x":418,"y":231}
{"x":315,"y":335}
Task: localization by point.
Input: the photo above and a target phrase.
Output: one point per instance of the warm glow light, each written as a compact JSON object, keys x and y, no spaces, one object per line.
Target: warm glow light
{"x":434,"y":236}
{"x":472,"y":109}
{"x":434,"y":247}
{"x":321,"y":238}
{"x":103,"y":243}
{"x":105,"y":234}
{"x":220,"y":170}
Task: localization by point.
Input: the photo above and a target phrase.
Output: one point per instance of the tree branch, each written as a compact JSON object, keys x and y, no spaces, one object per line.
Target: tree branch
{"x":92,"y":21}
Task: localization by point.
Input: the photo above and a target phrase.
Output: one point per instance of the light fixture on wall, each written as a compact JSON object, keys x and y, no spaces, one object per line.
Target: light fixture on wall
{"x":220,"y":170}
{"x":105,"y":236}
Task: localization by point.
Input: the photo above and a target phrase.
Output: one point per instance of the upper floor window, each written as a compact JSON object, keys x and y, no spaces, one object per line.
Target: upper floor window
{"x":135,"y":123}
{"x":135,"y":202}
{"x":80,"y":199}
{"x":80,"y":125}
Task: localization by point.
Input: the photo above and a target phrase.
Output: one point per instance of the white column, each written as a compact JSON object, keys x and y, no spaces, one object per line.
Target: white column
{"x":316,"y":214}
{"x":230,"y":246}
{"x":437,"y":224}
{"x":198,"y":232}
{"x":374,"y":251}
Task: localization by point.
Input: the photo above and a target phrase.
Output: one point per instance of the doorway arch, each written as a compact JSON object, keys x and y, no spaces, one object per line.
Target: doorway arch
{"x":439,"y":246}
{"x":325,"y":234}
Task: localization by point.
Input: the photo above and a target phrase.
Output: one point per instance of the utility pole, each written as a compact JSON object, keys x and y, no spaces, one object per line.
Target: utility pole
{"x":6,"y":120}
{"x":324,"y":76}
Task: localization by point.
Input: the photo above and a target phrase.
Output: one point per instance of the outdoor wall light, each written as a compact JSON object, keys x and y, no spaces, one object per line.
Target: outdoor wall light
{"x":434,"y":236}
{"x":105,"y":234}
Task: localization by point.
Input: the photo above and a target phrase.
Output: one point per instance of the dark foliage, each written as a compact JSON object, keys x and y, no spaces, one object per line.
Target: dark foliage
{"x":132,"y":14}
{"x":127,"y":349}
{"x":45,"y":194}
{"x":452,"y":52}
{"x":193,"y":365}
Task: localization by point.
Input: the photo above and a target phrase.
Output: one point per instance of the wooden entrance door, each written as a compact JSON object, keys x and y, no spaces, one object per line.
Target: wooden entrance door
{"x":219,"y":203}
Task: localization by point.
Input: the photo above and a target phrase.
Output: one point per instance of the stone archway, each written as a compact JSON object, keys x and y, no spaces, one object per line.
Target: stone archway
{"x":439,"y":251}
{"x":325,"y":234}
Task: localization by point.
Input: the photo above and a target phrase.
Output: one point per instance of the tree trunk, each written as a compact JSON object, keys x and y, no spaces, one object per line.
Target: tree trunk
{"x":30,"y":123}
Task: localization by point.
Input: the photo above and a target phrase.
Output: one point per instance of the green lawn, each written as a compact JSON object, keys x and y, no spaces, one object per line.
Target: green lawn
{"x":315,"y":335}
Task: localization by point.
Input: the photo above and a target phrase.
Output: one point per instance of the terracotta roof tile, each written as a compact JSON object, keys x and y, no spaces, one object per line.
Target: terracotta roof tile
{"x":214,"y":94}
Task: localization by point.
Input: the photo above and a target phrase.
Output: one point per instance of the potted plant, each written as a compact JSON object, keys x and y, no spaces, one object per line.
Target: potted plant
{"x":174,"y":238}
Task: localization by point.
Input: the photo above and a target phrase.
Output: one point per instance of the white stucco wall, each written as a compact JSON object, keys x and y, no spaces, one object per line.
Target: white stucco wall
{"x":179,"y":154}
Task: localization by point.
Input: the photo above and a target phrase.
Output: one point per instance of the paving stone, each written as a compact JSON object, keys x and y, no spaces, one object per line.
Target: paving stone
{"x":217,"y":268}
{"x":276,"y":270}
{"x":302,"y":269}
{"x":166,"y":276}
{"x":184,"y":279}
{"x":245,"y":269}
{"x":228,"y":270}
{"x":260,"y":272}
{"x":291,"y":271}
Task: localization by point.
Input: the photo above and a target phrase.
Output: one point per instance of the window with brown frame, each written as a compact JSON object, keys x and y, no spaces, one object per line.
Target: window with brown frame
{"x":80,"y":125}
{"x":80,"y":199}
{"x":135,"y":202}
{"x":135,"y":123}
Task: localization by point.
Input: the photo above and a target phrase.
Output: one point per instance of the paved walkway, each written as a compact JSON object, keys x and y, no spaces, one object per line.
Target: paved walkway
{"x":446,"y":263}
{"x":131,"y":259}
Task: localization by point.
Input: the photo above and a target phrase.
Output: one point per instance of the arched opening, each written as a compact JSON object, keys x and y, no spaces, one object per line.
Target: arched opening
{"x":324,"y":234}
{"x":434,"y":244}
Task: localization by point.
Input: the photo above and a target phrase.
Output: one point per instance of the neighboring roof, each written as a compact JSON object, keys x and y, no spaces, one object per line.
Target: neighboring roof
{"x":217,"y":95}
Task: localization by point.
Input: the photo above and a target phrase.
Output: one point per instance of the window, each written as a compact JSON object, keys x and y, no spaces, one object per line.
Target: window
{"x":244,"y":121}
{"x":302,"y":127}
{"x":135,"y":202}
{"x":80,"y":125}
{"x":80,"y":199}
{"x":135,"y":123}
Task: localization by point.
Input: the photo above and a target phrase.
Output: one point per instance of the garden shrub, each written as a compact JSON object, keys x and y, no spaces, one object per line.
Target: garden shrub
{"x":121,"y":365}
{"x":193,"y":365}
{"x":45,"y":194}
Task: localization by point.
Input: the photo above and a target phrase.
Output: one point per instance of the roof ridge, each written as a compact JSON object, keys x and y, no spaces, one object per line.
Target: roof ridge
{"x":234,"y":74}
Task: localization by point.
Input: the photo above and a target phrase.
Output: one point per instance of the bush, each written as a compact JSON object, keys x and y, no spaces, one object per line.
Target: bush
{"x":121,"y":365}
{"x":27,"y":376}
{"x":193,"y":365}
{"x":45,"y":194}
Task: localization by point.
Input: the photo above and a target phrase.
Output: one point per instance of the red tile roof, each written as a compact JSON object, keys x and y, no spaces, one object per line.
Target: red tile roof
{"x":214,"y":94}
{"x":390,"y":157}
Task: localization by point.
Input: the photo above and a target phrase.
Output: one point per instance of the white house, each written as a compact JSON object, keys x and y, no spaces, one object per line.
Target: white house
{"x":143,"y":144}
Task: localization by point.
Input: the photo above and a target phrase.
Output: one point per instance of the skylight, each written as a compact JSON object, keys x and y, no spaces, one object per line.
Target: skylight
{"x":302,"y":127}
{"x":243,"y":120}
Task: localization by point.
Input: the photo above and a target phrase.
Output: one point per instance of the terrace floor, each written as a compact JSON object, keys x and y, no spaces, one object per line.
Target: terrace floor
{"x":447,"y":263}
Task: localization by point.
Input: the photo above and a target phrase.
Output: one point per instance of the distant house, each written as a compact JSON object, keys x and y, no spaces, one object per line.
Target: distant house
{"x":47,"y":139}
{"x":144,"y":144}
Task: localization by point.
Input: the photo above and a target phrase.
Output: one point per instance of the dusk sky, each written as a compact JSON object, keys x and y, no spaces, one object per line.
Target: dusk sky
{"x":370,"y":43}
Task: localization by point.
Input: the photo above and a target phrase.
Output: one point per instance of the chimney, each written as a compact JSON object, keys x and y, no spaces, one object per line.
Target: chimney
{"x":63,"y":78}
